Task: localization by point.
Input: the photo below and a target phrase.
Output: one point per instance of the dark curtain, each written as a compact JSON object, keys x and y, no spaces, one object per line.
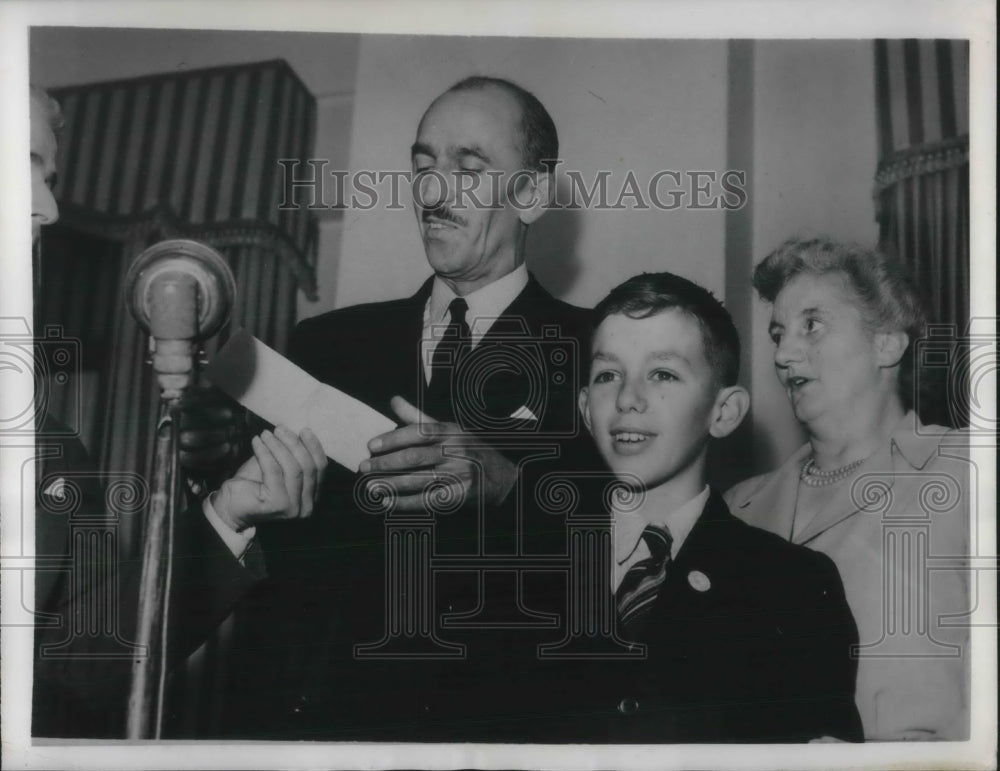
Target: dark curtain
{"x":922,"y":198}
{"x":189,"y":155}
{"x":113,"y":398}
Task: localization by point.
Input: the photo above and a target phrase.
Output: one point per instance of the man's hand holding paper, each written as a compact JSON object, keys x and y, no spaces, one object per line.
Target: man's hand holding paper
{"x":281,"y":393}
{"x":407,"y":459}
{"x":424,"y":451}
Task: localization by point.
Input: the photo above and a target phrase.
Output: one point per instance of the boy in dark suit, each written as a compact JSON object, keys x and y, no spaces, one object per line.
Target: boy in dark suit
{"x":746,"y":638}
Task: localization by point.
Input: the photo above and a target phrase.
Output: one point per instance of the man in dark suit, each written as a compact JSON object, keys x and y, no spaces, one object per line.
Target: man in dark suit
{"x":67,"y":482}
{"x":745,"y":639}
{"x":481,"y":368}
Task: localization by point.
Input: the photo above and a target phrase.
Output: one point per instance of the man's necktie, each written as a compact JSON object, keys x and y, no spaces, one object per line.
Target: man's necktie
{"x":457,"y":338}
{"x":638,"y":589}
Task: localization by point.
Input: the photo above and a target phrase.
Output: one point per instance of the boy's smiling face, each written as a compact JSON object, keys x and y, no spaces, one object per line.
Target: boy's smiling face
{"x":652,"y":398}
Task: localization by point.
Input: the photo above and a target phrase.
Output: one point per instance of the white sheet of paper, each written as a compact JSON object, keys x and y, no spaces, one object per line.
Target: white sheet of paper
{"x":268,"y":384}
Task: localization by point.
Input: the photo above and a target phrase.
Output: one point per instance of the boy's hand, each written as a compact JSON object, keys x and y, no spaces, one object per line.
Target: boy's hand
{"x":426,"y":450}
{"x":281,"y":481}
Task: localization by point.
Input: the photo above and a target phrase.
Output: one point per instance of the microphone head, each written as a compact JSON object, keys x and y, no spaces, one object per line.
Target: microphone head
{"x":181,"y":259}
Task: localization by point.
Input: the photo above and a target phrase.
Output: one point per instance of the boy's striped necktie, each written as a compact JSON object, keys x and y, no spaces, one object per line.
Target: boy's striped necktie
{"x":640,"y":586}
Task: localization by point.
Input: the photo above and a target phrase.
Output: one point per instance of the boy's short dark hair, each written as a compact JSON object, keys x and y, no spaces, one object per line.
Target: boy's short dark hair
{"x":650,"y":293}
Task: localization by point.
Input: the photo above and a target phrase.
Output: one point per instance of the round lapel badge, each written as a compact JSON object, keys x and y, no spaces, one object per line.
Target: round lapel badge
{"x":699,"y":581}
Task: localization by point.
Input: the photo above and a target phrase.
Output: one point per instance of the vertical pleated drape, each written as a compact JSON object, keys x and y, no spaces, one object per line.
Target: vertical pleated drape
{"x":197,"y":151}
{"x":922,"y":191}
{"x":116,"y":403}
{"x":187,"y":155}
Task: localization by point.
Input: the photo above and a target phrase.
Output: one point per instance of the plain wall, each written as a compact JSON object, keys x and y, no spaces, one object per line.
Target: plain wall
{"x":800,"y":120}
{"x":814,"y":171}
{"x":798,"y":116}
{"x":618,"y":105}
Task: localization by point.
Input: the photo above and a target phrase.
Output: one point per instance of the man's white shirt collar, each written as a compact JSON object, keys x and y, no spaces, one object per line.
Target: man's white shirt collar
{"x":485,"y":304}
{"x":628,"y":527}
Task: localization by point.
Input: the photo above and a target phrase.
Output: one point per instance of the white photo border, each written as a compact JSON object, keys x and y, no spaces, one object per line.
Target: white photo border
{"x":974,"y":20}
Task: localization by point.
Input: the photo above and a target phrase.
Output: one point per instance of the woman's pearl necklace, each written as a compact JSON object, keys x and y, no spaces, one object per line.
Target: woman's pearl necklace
{"x":815,"y":477}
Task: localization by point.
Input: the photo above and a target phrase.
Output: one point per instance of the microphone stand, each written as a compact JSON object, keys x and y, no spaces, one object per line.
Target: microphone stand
{"x":180,"y":292}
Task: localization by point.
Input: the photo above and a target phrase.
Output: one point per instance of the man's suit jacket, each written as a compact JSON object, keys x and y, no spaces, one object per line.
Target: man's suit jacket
{"x":912,"y":676}
{"x":67,"y":484}
{"x":327,"y":591}
{"x":372,"y":352}
{"x":81,"y":684}
{"x":761,"y":655}
{"x":293,"y":667}
{"x":748,"y":640}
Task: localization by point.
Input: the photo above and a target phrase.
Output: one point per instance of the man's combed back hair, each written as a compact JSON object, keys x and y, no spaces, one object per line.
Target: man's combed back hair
{"x":539,"y":141}
{"x":650,"y":293}
{"x":52,"y":112}
{"x":885,"y":294}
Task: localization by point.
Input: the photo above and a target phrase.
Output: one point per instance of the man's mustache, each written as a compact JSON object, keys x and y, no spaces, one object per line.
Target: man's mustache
{"x":442,"y":212}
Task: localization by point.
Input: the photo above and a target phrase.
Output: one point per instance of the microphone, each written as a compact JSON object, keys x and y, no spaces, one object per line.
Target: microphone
{"x":180,"y":292}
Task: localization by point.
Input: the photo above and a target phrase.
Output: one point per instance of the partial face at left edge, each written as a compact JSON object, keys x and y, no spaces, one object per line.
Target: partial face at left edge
{"x":44,"y":210}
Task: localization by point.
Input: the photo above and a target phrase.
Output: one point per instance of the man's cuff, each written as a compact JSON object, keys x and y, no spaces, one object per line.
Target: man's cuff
{"x":237,"y":543}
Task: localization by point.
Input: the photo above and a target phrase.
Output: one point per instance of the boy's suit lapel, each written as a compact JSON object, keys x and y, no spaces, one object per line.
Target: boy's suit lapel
{"x":692,"y":574}
{"x":690,"y":587}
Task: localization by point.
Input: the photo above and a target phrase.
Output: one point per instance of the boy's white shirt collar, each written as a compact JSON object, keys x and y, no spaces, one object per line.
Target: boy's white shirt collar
{"x":628,"y":527}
